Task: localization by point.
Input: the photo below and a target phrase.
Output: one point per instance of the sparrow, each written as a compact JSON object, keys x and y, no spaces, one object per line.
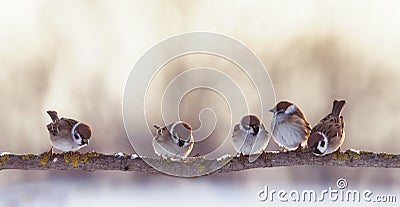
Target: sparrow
{"x":174,"y":140}
{"x":289,"y":126}
{"x":250,"y":136}
{"x":328,"y":135}
{"x":67,"y":134}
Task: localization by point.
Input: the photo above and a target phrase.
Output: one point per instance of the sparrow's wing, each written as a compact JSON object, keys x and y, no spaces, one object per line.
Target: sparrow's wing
{"x":301,"y":115}
{"x":325,"y":119}
{"x":341,"y":121}
{"x":338,"y":140}
{"x":331,"y":126}
{"x":336,"y":110}
{"x":298,"y":117}
{"x":65,"y":125}
{"x":52,"y":127}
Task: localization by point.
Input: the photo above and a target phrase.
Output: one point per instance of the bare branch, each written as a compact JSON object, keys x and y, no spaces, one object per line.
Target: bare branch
{"x":97,"y":161}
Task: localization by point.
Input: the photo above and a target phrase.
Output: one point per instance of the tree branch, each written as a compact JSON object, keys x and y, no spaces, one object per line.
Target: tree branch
{"x":97,"y":161}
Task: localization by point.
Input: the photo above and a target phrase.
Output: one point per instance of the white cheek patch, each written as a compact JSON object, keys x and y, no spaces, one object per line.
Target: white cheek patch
{"x":252,"y":130}
{"x":248,"y":131}
{"x":323,"y":148}
{"x":77,"y":141}
{"x":291,"y":109}
{"x":73,"y":128}
{"x":173,"y":133}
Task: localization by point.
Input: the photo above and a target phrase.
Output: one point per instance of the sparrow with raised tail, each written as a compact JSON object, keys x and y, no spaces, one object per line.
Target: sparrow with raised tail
{"x":289,"y":126}
{"x":68,"y":134}
{"x":328,"y":135}
{"x":250,"y":136}
{"x":174,"y":140}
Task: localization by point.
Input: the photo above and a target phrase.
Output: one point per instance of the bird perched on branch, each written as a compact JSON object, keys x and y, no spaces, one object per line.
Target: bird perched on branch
{"x":174,"y":140}
{"x":68,"y":134}
{"x":289,"y":126}
{"x":250,"y":136}
{"x":328,"y":135}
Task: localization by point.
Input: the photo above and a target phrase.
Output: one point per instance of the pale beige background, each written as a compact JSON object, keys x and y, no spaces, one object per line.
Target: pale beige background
{"x":75,"y":56}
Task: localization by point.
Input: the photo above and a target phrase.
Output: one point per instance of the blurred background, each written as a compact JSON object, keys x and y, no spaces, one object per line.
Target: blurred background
{"x":75,"y":57}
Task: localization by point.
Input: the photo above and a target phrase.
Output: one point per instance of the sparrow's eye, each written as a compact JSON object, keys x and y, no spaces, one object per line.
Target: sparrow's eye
{"x":322,"y":143}
{"x":76,"y":136}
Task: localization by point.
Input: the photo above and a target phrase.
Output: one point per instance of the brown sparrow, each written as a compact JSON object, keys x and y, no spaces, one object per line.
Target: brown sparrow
{"x":328,"y":135}
{"x":250,"y":136}
{"x":68,"y":134}
{"x":289,"y":127}
{"x":174,"y":140}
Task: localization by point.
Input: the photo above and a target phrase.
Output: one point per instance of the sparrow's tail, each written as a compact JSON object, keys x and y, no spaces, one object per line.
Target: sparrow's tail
{"x":337,"y":107}
{"x":53,"y":115}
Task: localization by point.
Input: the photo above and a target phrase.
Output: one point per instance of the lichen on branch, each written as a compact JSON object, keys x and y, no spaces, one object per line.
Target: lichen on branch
{"x":91,"y":161}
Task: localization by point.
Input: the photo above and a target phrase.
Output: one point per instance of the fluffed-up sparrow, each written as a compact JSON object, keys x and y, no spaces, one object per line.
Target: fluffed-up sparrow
{"x":250,"y":136}
{"x":289,"y":126}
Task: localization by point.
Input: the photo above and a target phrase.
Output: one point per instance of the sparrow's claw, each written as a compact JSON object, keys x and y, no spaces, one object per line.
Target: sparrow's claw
{"x":241,"y":157}
{"x":300,"y":148}
{"x":69,"y":153}
{"x":264,"y":154}
{"x":50,"y":152}
{"x":338,"y":151}
{"x":197,"y":155}
{"x":161,"y":160}
{"x":282,"y":149}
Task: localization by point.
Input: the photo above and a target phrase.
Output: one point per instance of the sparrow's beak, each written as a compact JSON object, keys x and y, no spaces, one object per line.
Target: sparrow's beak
{"x":272,"y":110}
